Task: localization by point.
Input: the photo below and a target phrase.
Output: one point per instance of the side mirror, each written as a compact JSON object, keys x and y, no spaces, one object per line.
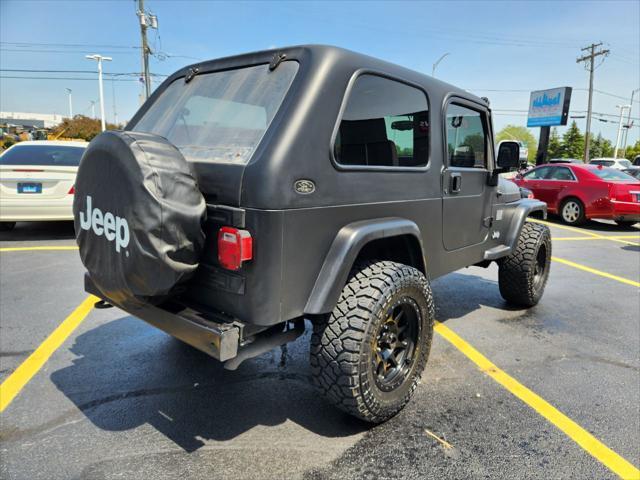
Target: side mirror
{"x":508,"y":156}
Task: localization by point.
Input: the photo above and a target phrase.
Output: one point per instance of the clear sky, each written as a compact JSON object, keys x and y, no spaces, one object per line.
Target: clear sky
{"x":501,"y":50}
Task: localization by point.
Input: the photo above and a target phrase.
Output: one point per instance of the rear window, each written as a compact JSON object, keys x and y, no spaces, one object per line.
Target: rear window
{"x":612,"y":174}
{"x":43,"y":155}
{"x":219,"y":117}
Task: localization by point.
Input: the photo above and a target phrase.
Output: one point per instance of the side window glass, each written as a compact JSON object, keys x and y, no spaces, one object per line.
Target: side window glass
{"x":561,"y":173}
{"x":537,"y":173}
{"x":466,"y":137}
{"x":385,"y":123}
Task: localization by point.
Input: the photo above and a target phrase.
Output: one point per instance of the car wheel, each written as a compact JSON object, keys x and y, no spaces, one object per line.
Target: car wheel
{"x":368,"y":354}
{"x":7,"y":226}
{"x":572,"y":212}
{"x":523,"y":274}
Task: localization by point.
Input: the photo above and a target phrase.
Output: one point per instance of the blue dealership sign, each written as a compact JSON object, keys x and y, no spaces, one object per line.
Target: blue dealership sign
{"x":549,"y":107}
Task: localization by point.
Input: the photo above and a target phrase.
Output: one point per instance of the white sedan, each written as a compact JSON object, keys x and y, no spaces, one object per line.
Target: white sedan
{"x":37,"y":181}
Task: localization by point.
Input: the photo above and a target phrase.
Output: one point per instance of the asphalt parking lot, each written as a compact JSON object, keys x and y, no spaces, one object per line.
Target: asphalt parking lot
{"x":552,"y":392}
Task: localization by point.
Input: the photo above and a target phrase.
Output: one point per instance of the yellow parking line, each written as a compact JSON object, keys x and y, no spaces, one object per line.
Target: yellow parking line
{"x":635,"y":237}
{"x":613,"y":238}
{"x":588,"y":442}
{"x":27,"y":369}
{"x":26,"y":249}
{"x":596,"y":272}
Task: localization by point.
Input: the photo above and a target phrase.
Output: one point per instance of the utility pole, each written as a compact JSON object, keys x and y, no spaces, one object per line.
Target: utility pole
{"x":435,"y":65}
{"x":590,"y":58}
{"x":70,"y":103}
{"x":622,"y":108}
{"x":100,"y":59}
{"x":628,"y":126}
{"x":146,"y":21}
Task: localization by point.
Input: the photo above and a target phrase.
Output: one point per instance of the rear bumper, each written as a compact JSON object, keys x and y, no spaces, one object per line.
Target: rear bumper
{"x":31,"y":209}
{"x":627,"y":211}
{"x":218,"y":339}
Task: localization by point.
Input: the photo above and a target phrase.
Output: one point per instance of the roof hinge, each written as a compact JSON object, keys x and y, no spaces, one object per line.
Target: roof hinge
{"x":276,"y":60}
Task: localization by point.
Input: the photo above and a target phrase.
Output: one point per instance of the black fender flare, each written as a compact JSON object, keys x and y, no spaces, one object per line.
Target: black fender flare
{"x":343,"y":252}
{"x":525,"y":207}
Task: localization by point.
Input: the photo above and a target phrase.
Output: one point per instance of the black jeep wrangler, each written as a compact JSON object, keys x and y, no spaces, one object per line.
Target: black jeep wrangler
{"x":253,"y":192}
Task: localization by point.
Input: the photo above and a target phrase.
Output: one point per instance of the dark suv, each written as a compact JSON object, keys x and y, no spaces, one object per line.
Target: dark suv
{"x":253,"y":192}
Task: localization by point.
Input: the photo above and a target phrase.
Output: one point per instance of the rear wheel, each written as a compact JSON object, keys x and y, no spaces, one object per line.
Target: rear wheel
{"x":523,"y":275}
{"x":7,"y":226}
{"x":368,"y":355}
{"x":572,"y":212}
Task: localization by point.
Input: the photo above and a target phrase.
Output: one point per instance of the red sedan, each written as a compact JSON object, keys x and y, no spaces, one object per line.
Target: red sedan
{"x":577,"y":192}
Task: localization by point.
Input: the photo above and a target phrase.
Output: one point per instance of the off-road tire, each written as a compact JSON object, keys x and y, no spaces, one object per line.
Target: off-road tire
{"x":575,"y":219}
{"x":523,"y":274}
{"x":343,"y":344}
{"x":7,"y":226}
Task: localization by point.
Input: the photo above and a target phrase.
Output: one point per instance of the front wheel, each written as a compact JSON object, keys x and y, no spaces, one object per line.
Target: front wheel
{"x":523,"y":274}
{"x":368,"y":355}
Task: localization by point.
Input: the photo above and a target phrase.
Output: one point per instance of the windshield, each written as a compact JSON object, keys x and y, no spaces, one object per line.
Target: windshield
{"x":625,"y":163}
{"x":43,"y":155}
{"x":612,"y":174}
{"x":219,"y":117}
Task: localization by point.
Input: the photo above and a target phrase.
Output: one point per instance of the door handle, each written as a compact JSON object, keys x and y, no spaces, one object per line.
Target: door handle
{"x":456,"y":182}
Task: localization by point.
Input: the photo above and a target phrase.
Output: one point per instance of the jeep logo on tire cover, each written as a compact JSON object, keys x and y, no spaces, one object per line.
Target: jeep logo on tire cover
{"x":112,"y":226}
{"x":305,"y":187}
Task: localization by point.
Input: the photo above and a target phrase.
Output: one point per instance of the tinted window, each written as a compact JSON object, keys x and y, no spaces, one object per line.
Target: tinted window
{"x":561,"y":173}
{"x":466,"y":137}
{"x":611,"y":174}
{"x":219,"y":117}
{"x":537,"y":173}
{"x":44,"y":155}
{"x":385,"y":123}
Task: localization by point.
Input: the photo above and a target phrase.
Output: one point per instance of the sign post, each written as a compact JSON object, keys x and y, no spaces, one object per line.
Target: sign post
{"x":546,"y":109}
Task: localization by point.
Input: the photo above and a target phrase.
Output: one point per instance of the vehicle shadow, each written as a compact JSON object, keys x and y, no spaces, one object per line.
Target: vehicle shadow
{"x":598,"y":225}
{"x":34,"y":231}
{"x":459,"y":294}
{"x":127,"y":374}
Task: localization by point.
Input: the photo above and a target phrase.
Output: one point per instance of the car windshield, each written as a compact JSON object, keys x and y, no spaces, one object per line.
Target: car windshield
{"x":43,"y":155}
{"x":219,"y":117}
{"x":625,"y":163}
{"x":612,"y":175}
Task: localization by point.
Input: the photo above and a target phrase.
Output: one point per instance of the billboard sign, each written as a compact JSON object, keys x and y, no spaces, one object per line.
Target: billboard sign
{"x":549,"y":107}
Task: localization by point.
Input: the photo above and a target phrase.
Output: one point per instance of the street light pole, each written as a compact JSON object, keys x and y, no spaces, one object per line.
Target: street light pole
{"x":100,"y":59}
{"x":626,"y":132}
{"x":622,"y":108}
{"x":435,"y":65}
{"x":70,"y":103}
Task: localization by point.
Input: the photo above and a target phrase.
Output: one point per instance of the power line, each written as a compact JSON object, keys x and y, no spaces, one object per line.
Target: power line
{"x":91,"y":45}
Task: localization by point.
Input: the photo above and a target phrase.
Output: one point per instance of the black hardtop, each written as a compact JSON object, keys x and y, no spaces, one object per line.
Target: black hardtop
{"x":298,"y":144}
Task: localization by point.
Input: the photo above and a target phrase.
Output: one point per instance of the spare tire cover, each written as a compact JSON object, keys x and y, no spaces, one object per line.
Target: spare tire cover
{"x":138,"y":216}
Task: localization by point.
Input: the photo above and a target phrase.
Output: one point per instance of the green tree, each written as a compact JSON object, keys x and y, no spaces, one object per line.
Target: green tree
{"x":522,"y":134}
{"x":600,"y":147}
{"x":81,"y":127}
{"x":632,"y":151}
{"x":573,"y":142}
{"x":555,"y":144}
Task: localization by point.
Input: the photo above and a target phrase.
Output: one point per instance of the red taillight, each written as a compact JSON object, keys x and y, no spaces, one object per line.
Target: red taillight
{"x":72,"y":190}
{"x":234,"y":247}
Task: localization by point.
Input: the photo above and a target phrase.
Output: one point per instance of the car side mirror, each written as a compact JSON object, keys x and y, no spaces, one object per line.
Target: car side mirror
{"x":508,"y":156}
